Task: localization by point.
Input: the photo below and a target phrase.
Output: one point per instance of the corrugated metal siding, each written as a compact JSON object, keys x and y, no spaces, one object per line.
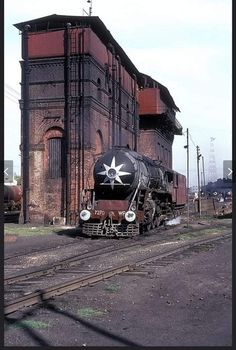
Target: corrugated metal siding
{"x":55,"y":161}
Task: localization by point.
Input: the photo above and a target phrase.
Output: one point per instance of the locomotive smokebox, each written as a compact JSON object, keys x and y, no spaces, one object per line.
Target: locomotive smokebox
{"x":115,"y":173}
{"x":119,"y":171}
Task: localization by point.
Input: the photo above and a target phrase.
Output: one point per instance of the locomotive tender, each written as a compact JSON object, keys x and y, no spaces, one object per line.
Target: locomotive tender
{"x":131,"y":194}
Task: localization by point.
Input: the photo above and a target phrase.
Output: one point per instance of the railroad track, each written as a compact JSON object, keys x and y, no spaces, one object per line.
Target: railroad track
{"x":92,"y":277}
{"x":66,"y":263}
{"x":75,"y":260}
{"x":37,"y":251}
{"x":168,"y":230}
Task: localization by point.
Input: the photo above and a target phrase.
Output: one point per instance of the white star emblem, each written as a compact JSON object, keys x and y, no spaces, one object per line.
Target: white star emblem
{"x":113,"y":173}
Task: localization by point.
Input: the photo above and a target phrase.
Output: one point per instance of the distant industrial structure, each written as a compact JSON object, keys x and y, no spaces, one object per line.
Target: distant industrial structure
{"x":82,"y":95}
{"x":221,"y":186}
{"x":212,"y":175}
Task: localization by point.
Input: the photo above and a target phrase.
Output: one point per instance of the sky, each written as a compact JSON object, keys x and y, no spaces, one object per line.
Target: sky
{"x":185,"y":45}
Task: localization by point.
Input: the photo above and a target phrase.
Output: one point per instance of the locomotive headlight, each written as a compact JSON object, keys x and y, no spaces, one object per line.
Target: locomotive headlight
{"x":85,"y":215}
{"x":130,"y":216}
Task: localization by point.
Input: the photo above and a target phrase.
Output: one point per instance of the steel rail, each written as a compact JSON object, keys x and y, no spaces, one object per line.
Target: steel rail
{"x":183,"y":247}
{"x":40,"y":251}
{"x":39,"y":296}
{"x":60,"y":265}
{"x":158,"y":230}
{"x":76,"y":260}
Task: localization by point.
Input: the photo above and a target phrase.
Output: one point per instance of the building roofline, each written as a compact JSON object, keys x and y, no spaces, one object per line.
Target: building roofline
{"x":149,"y":82}
{"x":55,"y":21}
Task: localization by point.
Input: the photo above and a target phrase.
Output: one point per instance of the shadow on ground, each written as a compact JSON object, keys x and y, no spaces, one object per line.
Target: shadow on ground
{"x":51,"y":307}
{"x":77,"y":232}
{"x":71,"y":232}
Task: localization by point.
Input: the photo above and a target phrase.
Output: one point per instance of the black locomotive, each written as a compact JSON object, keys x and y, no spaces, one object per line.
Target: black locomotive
{"x":131,"y":193}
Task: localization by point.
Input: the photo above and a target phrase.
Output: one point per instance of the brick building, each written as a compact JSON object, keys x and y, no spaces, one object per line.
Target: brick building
{"x":157,"y":121}
{"x":81,"y":94}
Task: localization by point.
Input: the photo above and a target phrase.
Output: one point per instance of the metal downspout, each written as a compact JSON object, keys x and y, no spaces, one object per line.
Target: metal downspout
{"x":120,"y":111}
{"x":25,"y":124}
{"x":135,"y":114}
{"x":67,"y":119}
{"x":82,"y":114}
{"x":113,"y":135}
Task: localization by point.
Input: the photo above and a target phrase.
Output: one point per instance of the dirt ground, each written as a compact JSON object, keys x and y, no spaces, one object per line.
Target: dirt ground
{"x":186,"y":303}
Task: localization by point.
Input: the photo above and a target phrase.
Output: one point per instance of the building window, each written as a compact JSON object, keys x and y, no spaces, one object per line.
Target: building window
{"x":127,"y":115}
{"x":55,"y":158}
{"x":158,"y":150}
{"x":177,"y":180}
{"x":99,"y":142}
{"x":99,"y":91}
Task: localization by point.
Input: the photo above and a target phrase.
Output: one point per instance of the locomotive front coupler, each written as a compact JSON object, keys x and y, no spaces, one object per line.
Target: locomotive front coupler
{"x":108,"y":226}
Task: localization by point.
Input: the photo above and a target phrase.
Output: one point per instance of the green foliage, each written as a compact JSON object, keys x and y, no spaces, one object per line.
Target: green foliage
{"x":89,"y":312}
{"x":30,"y":324}
{"x":24,"y":230}
{"x":190,"y":235}
{"x":112,"y":287}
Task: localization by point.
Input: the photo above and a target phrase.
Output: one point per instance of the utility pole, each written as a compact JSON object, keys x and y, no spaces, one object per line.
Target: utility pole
{"x":187,"y":146}
{"x":90,"y":8}
{"x":198,"y":180}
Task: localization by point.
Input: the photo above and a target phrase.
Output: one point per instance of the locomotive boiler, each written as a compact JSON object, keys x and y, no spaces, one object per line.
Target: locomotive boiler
{"x":131,"y":194}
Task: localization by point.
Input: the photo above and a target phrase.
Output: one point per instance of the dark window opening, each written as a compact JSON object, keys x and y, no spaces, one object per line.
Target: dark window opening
{"x":55,"y":158}
{"x":176,"y":180}
{"x":170,"y":176}
{"x":99,"y":92}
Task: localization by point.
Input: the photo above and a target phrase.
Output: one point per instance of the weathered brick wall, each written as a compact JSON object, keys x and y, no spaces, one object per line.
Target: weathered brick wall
{"x":47,"y":103}
{"x":45,"y":193}
{"x":46,"y":92}
{"x":98,"y":123}
{"x":155,"y":146}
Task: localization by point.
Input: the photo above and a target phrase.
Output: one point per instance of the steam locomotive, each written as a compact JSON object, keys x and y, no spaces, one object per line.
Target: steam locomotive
{"x":132,"y":194}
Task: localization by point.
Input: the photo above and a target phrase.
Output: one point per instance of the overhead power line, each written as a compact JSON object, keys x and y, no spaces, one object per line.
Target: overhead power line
{"x":11,"y":95}
{"x":13,"y":100}
{"x":12,"y":89}
{"x":192,"y":140}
